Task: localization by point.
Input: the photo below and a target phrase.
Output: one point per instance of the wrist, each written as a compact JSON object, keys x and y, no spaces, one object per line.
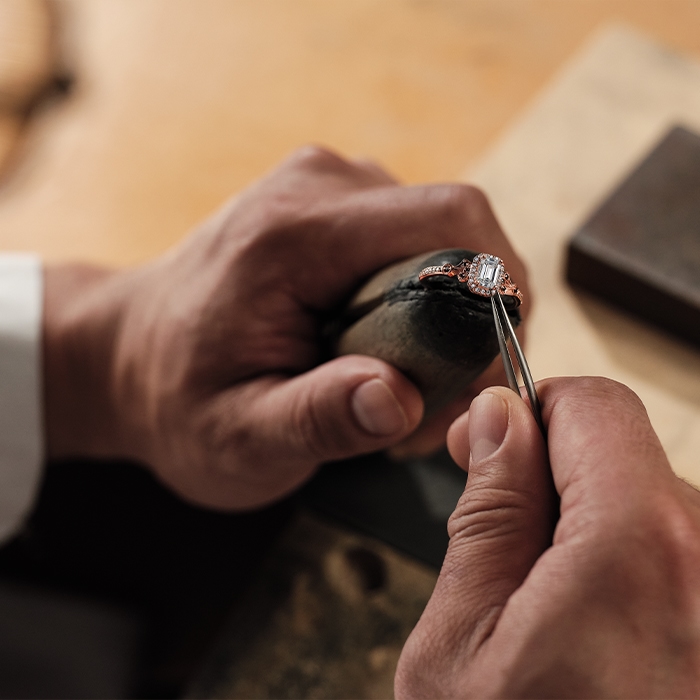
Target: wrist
{"x":83,"y":309}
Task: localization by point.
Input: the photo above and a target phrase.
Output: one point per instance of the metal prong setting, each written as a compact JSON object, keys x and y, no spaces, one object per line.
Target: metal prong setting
{"x":485,"y":276}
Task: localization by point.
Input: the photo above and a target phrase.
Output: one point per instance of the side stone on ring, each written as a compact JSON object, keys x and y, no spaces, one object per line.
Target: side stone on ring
{"x":485,"y":275}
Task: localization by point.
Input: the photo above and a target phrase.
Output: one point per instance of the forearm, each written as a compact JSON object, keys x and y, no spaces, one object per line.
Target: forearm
{"x":82,"y":315}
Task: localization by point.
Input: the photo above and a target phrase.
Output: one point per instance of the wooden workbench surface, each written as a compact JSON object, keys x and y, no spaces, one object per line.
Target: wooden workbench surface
{"x":177,"y":104}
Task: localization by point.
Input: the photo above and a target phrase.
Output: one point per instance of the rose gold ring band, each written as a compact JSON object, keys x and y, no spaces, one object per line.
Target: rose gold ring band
{"x":485,"y":275}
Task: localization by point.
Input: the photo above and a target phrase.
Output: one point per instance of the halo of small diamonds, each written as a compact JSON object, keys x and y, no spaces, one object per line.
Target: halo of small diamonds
{"x":485,"y":275}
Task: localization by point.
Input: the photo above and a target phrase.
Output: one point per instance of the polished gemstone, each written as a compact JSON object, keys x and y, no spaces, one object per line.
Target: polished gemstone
{"x":489,"y":271}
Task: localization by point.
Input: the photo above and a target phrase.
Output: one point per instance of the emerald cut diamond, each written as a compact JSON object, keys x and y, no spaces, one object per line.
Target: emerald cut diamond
{"x":488,"y":272}
{"x":485,"y":274}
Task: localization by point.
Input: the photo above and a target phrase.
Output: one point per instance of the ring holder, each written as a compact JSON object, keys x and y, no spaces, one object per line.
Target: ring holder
{"x":442,"y":337}
{"x":436,"y":331}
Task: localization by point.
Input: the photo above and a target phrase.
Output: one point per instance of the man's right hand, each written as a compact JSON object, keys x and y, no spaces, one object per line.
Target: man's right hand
{"x":601,"y":601}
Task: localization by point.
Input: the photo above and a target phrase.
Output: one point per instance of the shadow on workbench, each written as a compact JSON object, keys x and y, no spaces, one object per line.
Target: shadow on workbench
{"x":342,"y":589}
{"x":116,"y":588}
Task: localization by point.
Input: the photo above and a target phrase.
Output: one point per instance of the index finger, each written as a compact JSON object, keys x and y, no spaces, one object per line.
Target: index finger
{"x":329,"y":228}
{"x":605,"y":456}
{"x":377,"y":227}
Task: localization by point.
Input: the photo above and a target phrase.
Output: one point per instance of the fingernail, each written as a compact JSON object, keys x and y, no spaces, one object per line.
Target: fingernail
{"x":377,"y":409}
{"x":488,"y":422}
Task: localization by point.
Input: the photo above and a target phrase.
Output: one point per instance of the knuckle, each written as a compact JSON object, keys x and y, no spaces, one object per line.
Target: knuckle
{"x":608,"y":388}
{"x":427,"y":667}
{"x":370,"y":164}
{"x":290,"y":228}
{"x":224,"y":439}
{"x":286,"y":231}
{"x":420,"y":664}
{"x":375,"y":170}
{"x":599,"y":397}
{"x":486,"y":513}
{"x":313,"y":425}
{"x":674,"y":526}
{"x":656,"y":546}
{"x":315,"y":157}
{"x":466,"y":204}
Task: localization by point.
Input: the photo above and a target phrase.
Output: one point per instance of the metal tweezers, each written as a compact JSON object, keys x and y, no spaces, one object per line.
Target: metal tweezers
{"x":504,"y":331}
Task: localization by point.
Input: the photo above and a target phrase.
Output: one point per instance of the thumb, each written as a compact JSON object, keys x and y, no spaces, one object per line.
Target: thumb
{"x":351,"y":405}
{"x":502,"y":524}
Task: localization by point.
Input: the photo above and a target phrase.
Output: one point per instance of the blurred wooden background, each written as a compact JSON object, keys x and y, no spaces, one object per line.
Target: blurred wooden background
{"x":125,"y":122}
{"x":177,"y":104}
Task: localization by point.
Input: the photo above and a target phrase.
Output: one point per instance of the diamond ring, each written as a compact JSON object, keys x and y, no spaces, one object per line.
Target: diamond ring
{"x":485,"y":275}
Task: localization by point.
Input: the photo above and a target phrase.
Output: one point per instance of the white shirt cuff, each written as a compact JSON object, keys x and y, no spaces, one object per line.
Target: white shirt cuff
{"x":21,"y":422}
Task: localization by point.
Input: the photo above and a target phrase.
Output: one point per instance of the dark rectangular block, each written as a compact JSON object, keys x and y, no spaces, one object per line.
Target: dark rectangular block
{"x":641,"y":249}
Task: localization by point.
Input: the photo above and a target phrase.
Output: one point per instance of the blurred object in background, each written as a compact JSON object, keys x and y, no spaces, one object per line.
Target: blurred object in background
{"x":54,"y":645}
{"x":327,"y":618}
{"x":182,"y":103}
{"x":146,"y":579}
{"x":641,"y":249}
{"x":31,"y":70}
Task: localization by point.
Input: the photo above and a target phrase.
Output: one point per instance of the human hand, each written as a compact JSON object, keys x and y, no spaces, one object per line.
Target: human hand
{"x":205,"y":363}
{"x":603,"y":603}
